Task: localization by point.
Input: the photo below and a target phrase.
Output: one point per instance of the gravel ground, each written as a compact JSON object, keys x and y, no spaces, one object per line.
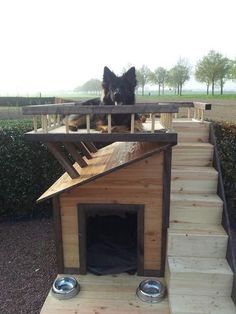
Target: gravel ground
{"x":27,"y":265}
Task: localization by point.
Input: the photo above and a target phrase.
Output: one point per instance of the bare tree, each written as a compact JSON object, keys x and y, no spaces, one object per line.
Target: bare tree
{"x":143,"y":77}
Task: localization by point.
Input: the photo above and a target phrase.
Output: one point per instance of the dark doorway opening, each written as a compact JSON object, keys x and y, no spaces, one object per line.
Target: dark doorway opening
{"x":111,"y":238}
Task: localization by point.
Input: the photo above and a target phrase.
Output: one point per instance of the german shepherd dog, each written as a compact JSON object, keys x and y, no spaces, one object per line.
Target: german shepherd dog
{"x":116,"y":90}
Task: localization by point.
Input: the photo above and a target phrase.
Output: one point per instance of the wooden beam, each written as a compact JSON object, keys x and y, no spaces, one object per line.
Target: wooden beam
{"x":202,"y":105}
{"x":91,"y":147}
{"x":83,"y":150}
{"x":75,"y":154}
{"x":158,"y":136}
{"x":62,"y":159}
{"x":102,"y":109}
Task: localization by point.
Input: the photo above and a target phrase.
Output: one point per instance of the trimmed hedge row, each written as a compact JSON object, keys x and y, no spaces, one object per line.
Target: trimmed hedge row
{"x":226,"y":142}
{"x":26,"y":171}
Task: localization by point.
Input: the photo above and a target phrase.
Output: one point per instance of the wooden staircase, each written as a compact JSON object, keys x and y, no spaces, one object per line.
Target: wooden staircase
{"x":198,"y":276}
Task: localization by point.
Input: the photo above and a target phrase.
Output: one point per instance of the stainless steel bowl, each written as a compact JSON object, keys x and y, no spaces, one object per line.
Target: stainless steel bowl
{"x":65,"y":288}
{"x":151,"y":290}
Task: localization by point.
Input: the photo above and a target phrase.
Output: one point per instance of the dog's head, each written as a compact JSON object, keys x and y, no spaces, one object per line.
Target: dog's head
{"x":119,"y":90}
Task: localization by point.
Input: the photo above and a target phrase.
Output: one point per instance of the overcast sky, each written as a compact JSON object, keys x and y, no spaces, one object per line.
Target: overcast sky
{"x":51,"y":45}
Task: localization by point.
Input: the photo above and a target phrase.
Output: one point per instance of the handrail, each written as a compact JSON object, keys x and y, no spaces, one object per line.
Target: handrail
{"x":231,"y":251}
{"x":74,"y":108}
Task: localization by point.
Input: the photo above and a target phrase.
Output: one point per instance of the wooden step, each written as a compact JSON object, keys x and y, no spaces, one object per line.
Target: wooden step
{"x":199,"y":240}
{"x":192,"y":131}
{"x":186,"y":179}
{"x":192,"y":154}
{"x":196,"y":208}
{"x":185,"y":304}
{"x":199,"y":276}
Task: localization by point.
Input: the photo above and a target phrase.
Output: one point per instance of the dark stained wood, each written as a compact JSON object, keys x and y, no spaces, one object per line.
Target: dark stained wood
{"x":86,"y":210}
{"x":75,"y":154}
{"x":72,"y":108}
{"x":165,"y":203}
{"x":152,"y":273}
{"x":62,"y":159}
{"x":58,"y":234}
{"x":83,"y":150}
{"x":231,"y":251}
{"x":91,"y":147}
{"x":158,"y":136}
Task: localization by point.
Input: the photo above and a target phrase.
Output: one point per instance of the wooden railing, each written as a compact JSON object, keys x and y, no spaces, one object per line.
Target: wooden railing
{"x":231,"y":250}
{"x":195,"y":110}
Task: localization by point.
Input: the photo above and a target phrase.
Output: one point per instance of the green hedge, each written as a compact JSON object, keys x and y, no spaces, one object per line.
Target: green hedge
{"x":226,"y":143}
{"x":26,"y":171}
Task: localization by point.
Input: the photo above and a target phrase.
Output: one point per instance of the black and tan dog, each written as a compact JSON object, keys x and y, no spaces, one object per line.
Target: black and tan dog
{"x":116,"y":90}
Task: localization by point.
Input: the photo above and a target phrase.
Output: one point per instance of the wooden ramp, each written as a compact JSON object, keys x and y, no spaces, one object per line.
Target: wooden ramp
{"x":105,"y":295}
{"x":198,"y":276}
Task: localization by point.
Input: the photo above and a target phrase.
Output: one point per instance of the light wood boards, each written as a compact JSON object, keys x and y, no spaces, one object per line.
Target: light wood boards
{"x":107,"y":159}
{"x":105,"y":295}
{"x":192,"y":154}
{"x":196,"y":208}
{"x":199,"y":240}
{"x":199,"y":276}
{"x":184,"y":304}
{"x":139,"y":183}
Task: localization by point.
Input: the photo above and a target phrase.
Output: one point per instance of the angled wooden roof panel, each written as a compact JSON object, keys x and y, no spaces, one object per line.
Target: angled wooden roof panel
{"x":106,"y":160}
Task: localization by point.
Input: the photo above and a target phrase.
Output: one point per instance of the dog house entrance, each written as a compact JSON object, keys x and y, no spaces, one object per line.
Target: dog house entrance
{"x":111,"y":238}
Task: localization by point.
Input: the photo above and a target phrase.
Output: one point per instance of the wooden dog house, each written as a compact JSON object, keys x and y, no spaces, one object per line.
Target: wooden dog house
{"x":120,"y":178}
{"x":169,"y":197}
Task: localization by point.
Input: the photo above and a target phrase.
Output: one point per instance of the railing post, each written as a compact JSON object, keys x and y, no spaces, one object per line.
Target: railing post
{"x":88,"y":123}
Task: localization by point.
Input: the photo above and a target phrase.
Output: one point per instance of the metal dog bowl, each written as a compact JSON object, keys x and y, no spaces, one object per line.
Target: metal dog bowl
{"x":65,"y":288}
{"x":151,"y":290}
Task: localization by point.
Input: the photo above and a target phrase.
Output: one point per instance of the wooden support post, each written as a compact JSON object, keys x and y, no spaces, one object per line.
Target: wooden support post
{"x":44,"y":123}
{"x":58,"y":119}
{"x":132,"y":123}
{"x":176,"y":115}
{"x":54,"y":120}
{"x":153,"y":123}
{"x":84,"y":150}
{"x":202,"y":115}
{"x":75,"y":154}
{"x":66,"y":121}
{"x":109,"y":122}
{"x":62,"y":159}
{"x":88,"y":123}
{"x":91,"y":147}
{"x":35,"y":123}
{"x":189,"y":113}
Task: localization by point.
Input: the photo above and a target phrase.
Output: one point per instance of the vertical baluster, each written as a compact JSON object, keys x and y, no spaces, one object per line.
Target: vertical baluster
{"x":109,"y":122}
{"x":189,"y":113}
{"x":132,"y":123}
{"x":35,"y":123}
{"x":88,"y":123}
{"x":66,"y":121}
{"x":153,"y":123}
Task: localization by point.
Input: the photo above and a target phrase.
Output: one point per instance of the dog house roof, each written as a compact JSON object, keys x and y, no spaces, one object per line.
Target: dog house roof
{"x":104,"y":161}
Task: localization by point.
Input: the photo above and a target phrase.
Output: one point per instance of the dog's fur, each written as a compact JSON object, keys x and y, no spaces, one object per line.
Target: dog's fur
{"x":117,"y":90}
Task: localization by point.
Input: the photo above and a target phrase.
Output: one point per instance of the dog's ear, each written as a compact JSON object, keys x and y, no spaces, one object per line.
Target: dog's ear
{"x":108,"y":76}
{"x":130,"y":76}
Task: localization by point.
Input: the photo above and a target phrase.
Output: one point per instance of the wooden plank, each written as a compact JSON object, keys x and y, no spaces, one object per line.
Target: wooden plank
{"x":63,"y":160}
{"x":105,"y":295}
{"x":91,"y":147}
{"x":84,"y":150}
{"x":67,"y":109}
{"x":158,"y":136}
{"x":130,"y":185}
{"x":75,"y":154}
{"x":111,"y":158}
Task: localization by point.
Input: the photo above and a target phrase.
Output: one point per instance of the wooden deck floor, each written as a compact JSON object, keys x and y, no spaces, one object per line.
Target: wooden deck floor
{"x":111,"y":294}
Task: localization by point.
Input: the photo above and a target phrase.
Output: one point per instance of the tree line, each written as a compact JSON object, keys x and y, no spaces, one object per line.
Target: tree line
{"x":213,"y":69}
